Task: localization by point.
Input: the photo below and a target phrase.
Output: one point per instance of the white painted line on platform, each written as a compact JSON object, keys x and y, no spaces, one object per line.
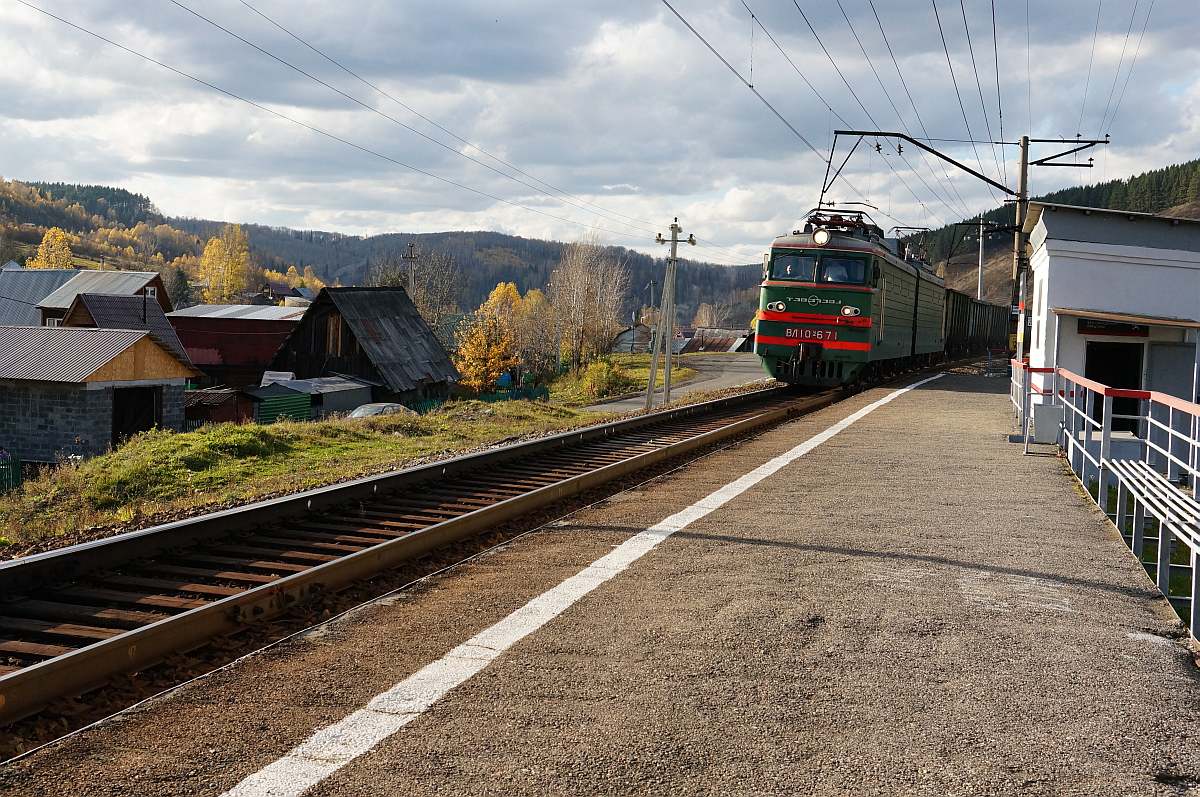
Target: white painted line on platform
{"x":334,"y":746}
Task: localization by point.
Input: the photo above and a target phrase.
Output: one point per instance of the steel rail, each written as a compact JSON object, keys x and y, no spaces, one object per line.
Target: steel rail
{"x":283,"y":551}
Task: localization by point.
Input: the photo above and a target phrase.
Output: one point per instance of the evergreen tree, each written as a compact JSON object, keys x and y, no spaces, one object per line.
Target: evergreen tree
{"x":179,"y":288}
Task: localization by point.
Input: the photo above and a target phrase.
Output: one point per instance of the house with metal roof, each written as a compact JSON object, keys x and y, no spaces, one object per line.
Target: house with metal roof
{"x":110,"y":311}
{"x":22,"y":289}
{"x":1115,"y":297}
{"x":371,"y":334}
{"x":68,"y":391}
{"x":120,"y":283}
{"x":233,"y":344}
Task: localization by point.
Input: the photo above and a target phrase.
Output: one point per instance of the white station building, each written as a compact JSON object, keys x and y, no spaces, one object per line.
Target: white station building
{"x":1115,"y":297}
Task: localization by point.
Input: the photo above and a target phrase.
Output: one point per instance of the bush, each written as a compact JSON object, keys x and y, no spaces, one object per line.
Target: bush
{"x":604,"y":378}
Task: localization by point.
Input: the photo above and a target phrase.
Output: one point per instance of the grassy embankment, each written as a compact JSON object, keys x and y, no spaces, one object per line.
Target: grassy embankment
{"x":160,"y":476}
{"x":623,"y":374}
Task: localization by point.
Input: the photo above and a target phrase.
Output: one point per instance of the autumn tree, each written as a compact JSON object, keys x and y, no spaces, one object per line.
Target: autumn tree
{"x":54,"y":251}
{"x":225,"y":265}
{"x":587,"y":290}
{"x":533,"y":325}
{"x":715,"y":315}
{"x":237,"y":259}
{"x":487,"y":343}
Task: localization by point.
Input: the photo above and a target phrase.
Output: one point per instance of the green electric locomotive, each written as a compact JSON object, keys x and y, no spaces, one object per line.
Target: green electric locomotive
{"x":842,"y":304}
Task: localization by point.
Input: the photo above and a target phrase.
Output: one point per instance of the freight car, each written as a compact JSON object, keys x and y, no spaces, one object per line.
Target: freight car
{"x":841,"y":304}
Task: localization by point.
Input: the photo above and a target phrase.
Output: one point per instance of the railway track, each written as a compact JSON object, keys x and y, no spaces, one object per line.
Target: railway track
{"x":73,"y":618}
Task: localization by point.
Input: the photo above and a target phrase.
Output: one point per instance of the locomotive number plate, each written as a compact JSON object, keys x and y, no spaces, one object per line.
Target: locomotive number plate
{"x":812,"y":334}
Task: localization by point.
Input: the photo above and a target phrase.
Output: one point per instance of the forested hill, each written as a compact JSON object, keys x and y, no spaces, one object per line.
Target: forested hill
{"x":126,"y":230}
{"x":484,"y":259}
{"x":1172,"y":190}
{"x":1157,"y":191}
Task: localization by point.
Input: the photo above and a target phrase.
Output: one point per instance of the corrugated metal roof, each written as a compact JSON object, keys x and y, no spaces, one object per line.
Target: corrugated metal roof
{"x":247,"y":311}
{"x":322,"y":384}
{"x":111,"y":311}
{"x":392,"y":333}
{"x":91,"y":281}
{"x":60,"y":354}
{"x":22,"y":289}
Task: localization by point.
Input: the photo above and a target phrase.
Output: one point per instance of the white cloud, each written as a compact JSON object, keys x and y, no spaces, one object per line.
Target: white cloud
{"x":613,"y":103}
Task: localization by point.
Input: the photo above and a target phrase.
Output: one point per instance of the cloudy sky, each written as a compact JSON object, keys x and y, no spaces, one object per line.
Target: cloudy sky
{"x":594,"y":116}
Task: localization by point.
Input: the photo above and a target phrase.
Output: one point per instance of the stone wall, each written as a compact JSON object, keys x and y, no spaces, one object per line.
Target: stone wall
{"x":44,"y":422}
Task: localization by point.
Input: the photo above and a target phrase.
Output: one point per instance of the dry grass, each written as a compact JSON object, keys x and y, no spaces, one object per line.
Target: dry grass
{"x":160,"y":476}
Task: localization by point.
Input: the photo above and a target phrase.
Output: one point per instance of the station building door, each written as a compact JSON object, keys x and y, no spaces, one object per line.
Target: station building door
{"x":1116,"y":365}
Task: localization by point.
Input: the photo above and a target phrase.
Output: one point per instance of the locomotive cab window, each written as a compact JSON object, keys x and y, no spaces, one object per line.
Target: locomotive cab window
{"x":794,"y":267}
{"x":843,"y":270}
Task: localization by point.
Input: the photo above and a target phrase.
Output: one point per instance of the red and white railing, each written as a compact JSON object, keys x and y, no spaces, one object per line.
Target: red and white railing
{"x":1146,"y":470}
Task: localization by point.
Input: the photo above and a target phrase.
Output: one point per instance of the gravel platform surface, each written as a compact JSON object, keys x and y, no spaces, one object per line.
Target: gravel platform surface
{"x":911,"y":608}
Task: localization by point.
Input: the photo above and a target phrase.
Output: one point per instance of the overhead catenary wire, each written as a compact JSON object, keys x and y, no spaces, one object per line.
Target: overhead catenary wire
{"x":1120,"y":62}
{"x":904,"y":84}
{"x":317,"y":130}
{"x":899,"y":116}
{"x":763,"y":99}
{"x":1132,"y":64}
{"x":1028,"y":78}
{"x":999,"y":97}
{"x":979,"y":87}
{"x":857,"y":99}
{"x":958,"y":94}
{"x":1087,"y":82}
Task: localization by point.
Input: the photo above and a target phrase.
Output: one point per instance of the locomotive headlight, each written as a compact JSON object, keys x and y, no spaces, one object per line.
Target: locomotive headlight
{"x":850,"y":311}
{"x":821,"y":236}
{"x":777,"y":307}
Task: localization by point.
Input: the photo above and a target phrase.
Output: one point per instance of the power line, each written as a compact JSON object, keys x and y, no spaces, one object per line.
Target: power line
{"x":899,"y":116}
{"x":1121,"y":62}
{"x":380,"y":113}
{"x":761,"y":98}
{"x":1088,"y":80}
{"x":315,"y":129}
{"x":958,"y":94}
{"x":979,"y":87}
{"x":999,"y":99}
{"x":857,"y":99}
{"x":430,"y":121}
{"x":1132,"y":63}
{"x":911,"y":101}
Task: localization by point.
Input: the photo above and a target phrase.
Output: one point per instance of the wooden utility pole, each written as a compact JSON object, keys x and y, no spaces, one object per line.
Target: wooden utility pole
{"x":665,"y":339}
{"x":411,"y":257}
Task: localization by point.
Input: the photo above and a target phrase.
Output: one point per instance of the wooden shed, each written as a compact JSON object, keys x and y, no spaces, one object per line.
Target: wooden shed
{"x":371,"y":334}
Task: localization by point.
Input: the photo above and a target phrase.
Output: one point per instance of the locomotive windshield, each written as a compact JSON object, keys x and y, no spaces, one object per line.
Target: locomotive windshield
{"x":794,"y":267}
{"x":843,"y":269}
{"x":819,"y":268}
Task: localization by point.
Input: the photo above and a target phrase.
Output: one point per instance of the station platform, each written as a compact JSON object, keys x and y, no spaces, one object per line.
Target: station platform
{"x":882,"y":597}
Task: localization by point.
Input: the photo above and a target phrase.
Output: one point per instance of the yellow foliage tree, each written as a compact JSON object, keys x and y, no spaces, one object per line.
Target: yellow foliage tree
{"x":54,"y":250}
{"x":212,"y":271}
{"x":237,"y":259}
{"x":225,"y":265}
{"x":487,"y":347}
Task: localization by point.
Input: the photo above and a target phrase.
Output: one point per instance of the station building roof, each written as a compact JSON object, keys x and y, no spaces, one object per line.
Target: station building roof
{"x":1107,"y":226}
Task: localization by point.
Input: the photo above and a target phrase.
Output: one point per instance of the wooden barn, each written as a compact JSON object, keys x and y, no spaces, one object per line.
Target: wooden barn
{"x":374,"y":335}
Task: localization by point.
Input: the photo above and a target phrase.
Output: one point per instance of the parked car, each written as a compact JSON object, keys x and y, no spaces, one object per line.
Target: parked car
{"x":380,"y":408}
